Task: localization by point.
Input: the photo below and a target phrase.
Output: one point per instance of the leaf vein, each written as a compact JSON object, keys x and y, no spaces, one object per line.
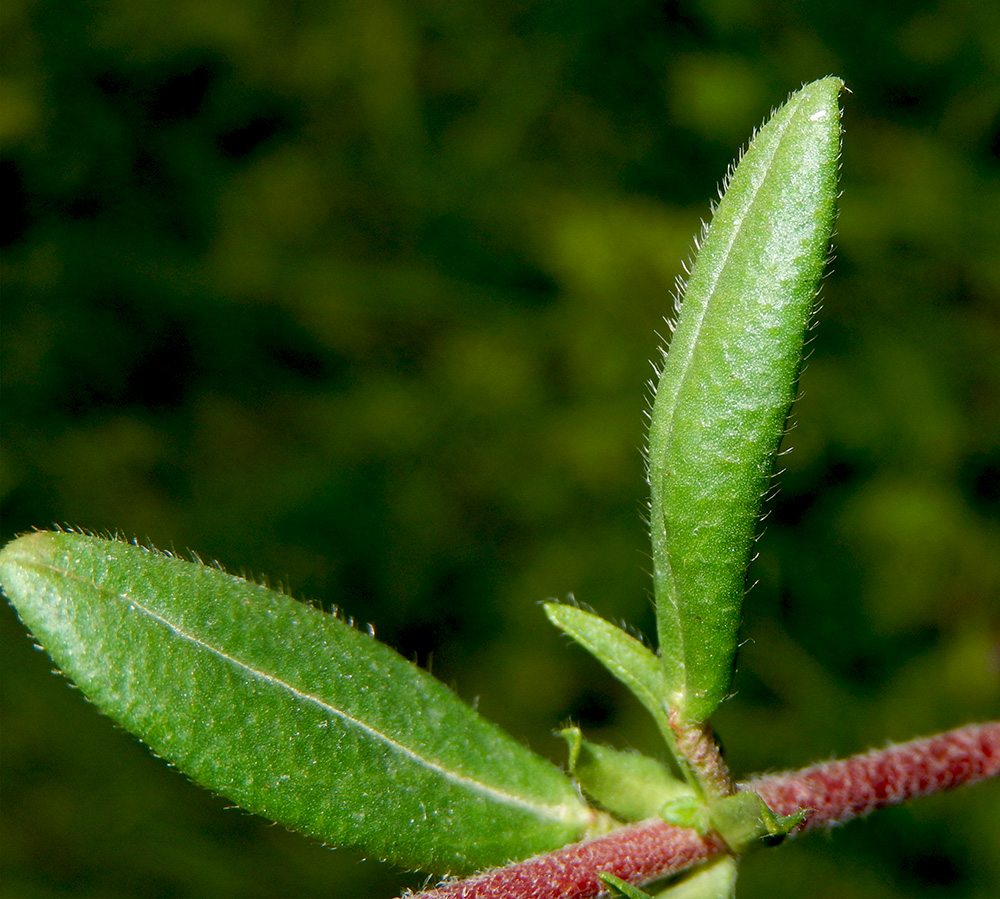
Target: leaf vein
{"x":557,"y":812}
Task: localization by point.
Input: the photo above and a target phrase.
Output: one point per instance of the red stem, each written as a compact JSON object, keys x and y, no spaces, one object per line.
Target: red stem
{"x":833,"y":793}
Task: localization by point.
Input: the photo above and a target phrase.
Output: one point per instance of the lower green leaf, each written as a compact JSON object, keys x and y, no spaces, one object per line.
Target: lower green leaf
{"x":286,"y":710}
{"x":715,"y":879}
{"x":621,"y":889}
{"x":630,"y":785}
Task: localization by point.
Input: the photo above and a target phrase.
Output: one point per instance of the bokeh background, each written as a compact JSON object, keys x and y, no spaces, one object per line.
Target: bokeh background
{"x":361,"y":296}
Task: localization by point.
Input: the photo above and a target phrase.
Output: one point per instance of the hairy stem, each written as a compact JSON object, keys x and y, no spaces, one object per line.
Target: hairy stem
{"x":696,"y":744}
{"x":832,"y":792}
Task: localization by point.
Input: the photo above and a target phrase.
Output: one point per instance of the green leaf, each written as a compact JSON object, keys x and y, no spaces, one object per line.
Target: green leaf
{"x":622,"y":889}
{"x":286,"y":710}
{"x":716,"y":879}
{"x":626,"y":658}
{"x":727,"y":384}
{"x":629,"y":785}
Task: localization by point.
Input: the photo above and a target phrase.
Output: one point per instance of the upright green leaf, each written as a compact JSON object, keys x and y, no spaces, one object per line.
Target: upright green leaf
{"x":286,"y":710}
{"x":727,"y":383}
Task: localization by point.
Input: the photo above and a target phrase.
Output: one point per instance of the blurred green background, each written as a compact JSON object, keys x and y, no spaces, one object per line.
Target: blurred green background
{"x":361,"y":296}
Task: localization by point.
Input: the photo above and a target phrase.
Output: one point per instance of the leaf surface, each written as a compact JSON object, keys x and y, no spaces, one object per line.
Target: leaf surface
{"x":629,"y":785}
{"x":286,"y":710}
{"x":727,"y":383}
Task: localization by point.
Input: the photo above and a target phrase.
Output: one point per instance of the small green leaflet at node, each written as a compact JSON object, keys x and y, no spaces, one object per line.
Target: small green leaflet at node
{"x":687,"y":811}
{"x":727,"y":384}
{"x":630,"y":785}
{"x":743,"y":820}
{"x":746,"y":822}
{"x":626,"y":658}
{"x":286,"y":710}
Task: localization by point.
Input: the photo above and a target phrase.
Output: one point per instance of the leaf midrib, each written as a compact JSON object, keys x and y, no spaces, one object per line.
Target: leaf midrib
{"x":560,"y":813}
{"x":686,"y":362}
